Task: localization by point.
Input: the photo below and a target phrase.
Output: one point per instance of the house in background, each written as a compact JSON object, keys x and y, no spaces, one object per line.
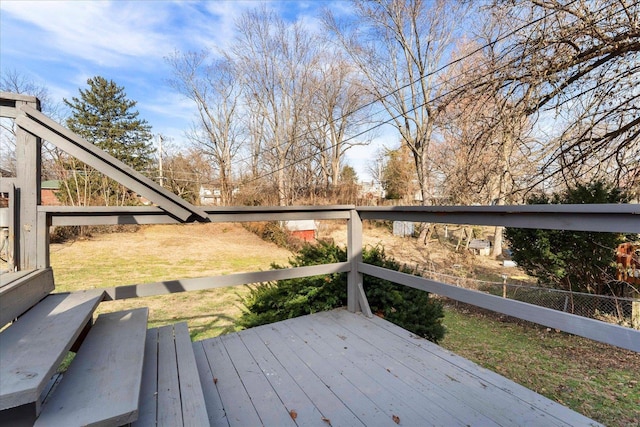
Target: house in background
{"x":49,"y":192}
{"x":210,"y":196}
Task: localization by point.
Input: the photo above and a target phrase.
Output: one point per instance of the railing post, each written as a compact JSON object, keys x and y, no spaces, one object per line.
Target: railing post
{"x":28,"y":165}
{"x":354,"y":255}
{"x":356,"y":298}
{"x":42,"y":258}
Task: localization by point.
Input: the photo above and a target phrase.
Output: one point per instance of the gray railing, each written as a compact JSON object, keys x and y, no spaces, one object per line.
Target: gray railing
{"x":608,"y":308}
{"x":613,"y":218}
{"x":31,"y":222}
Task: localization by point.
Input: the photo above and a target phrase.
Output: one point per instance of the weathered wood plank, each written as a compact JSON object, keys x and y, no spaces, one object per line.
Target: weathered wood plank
{"x":171,"y":393}
{"x":470,"y":383}
{"x":352,"y":370}
{"x":9,"y":278}
{"x":293,"y":397}
{"x":322,"y":396}
{"x":378,"y":385}
{"x":237,"y":403}
{"x":606,"y":217}
{"x":169,"y":411}
{"x":414,"y":388}
{"x":33,"y":347}
{"x":148,"y":407}
{"x":366,"y":410}
{"x":265,"y":400}
{"x":23,"y":292}
{"x":215,"y":409}
{"x":193,"y":405}
{"x":201,"y":283}
{"x":28,"y":173}
{"x":10,"y":98}
{"x":102,"y":385}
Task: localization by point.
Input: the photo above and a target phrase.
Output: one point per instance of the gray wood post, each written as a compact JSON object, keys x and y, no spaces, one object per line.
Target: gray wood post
{"x":354,"y":256}
{"x":42,"y":258}
{"x":28,"y":156}
{"x":13,"y":259}
{"x":356,"y":298}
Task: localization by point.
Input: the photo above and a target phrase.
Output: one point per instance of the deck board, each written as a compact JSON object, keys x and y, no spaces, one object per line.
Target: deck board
{"x":215,"y":409}
{"x":339,"y":368}
{"x":102,"y":385}
{"x":32,"y":348}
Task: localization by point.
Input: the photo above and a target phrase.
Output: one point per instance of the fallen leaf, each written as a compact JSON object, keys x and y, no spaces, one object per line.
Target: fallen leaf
{"x":293,"y":414}
{"x":215,"y":380}
{"x":396,"y":419}
{"x":326,"y":420}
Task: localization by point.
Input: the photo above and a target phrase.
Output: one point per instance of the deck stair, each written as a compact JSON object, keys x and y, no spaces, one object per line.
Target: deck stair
{"x":102,"y":384}
{"x":171,"y":391}
{"x":122,"y":374}
{"x":32,"y":348}
{"x":21,"y":290}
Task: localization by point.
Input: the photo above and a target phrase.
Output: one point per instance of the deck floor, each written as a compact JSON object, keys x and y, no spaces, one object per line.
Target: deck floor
{"x":343,"y":369}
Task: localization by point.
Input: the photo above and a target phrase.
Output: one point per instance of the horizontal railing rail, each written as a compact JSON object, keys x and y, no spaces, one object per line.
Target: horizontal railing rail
{"x":72,"y":215}
{"x":589,"y":328}
{"x":602,"y":218}
{"x":614,"y":218}
{"x":203,"y":283}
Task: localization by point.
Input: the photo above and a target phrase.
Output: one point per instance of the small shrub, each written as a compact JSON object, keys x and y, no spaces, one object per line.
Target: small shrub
{"x":409,"y":308}
{"x":272,"y":232}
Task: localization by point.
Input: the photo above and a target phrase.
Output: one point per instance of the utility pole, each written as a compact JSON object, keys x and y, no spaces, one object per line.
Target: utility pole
{"x":160,"y":160}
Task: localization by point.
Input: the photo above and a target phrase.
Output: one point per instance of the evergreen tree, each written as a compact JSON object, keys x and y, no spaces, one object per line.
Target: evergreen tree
{"x":410,"y":308}
{"x":581,"y":261}
{"x":104,"y":116}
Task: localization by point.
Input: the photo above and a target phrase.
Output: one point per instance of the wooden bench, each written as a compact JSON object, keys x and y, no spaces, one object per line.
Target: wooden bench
{"x":171,"y":392}
{"x":102,"y":384}
{"x":32,"y":348}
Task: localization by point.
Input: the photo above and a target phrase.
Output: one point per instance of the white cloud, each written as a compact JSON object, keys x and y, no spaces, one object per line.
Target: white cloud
{"x":105,"y":33}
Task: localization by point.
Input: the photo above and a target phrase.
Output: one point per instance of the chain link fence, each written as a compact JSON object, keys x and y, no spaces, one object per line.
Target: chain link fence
{"x":609,"y":309}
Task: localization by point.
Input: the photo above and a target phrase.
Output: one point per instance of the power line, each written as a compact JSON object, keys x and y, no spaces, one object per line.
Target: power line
{"x":449,"y":64}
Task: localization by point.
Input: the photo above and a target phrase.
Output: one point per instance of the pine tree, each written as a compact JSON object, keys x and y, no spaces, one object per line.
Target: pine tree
{"x":104,"y":116}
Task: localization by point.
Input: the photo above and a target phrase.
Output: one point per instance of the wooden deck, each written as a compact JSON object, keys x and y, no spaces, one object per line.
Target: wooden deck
{"x":342,"y":369}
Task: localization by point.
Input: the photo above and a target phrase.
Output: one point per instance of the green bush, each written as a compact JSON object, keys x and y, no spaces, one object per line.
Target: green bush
{"x":409,"y":308}
{"x":580,"y":261}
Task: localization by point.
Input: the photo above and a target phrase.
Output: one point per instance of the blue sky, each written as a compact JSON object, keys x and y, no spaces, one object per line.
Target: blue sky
{"x":60,"y":44}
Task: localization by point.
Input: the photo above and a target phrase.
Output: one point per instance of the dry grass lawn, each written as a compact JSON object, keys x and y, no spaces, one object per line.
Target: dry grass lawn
{"x":166,"y":252}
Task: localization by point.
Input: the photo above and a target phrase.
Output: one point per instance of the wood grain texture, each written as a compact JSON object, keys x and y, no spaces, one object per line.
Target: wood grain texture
{"x":345,"y":369}
{"x":23,"y":291}
{"x":102,"y":385}
{"x":33,"y":347}
{"x":171,"y":393}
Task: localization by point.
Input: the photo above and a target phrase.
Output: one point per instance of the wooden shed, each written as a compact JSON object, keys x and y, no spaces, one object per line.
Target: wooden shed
{"x":304,"y":229}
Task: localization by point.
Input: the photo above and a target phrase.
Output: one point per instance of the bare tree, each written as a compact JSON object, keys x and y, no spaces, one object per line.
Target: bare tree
{"x":187,"y":172}
{"x":340,"y":108}
{"x":16,"y":82}
{"x":275,"y":61}
{"x":398,"y":45}
{"x":213,"y":87}
{"x":580,"y":61}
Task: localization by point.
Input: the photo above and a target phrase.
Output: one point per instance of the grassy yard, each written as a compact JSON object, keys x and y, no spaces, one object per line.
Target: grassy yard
{"x":594,"y":379}
{"x":167,"y":252}
{"x":597,"y":380}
